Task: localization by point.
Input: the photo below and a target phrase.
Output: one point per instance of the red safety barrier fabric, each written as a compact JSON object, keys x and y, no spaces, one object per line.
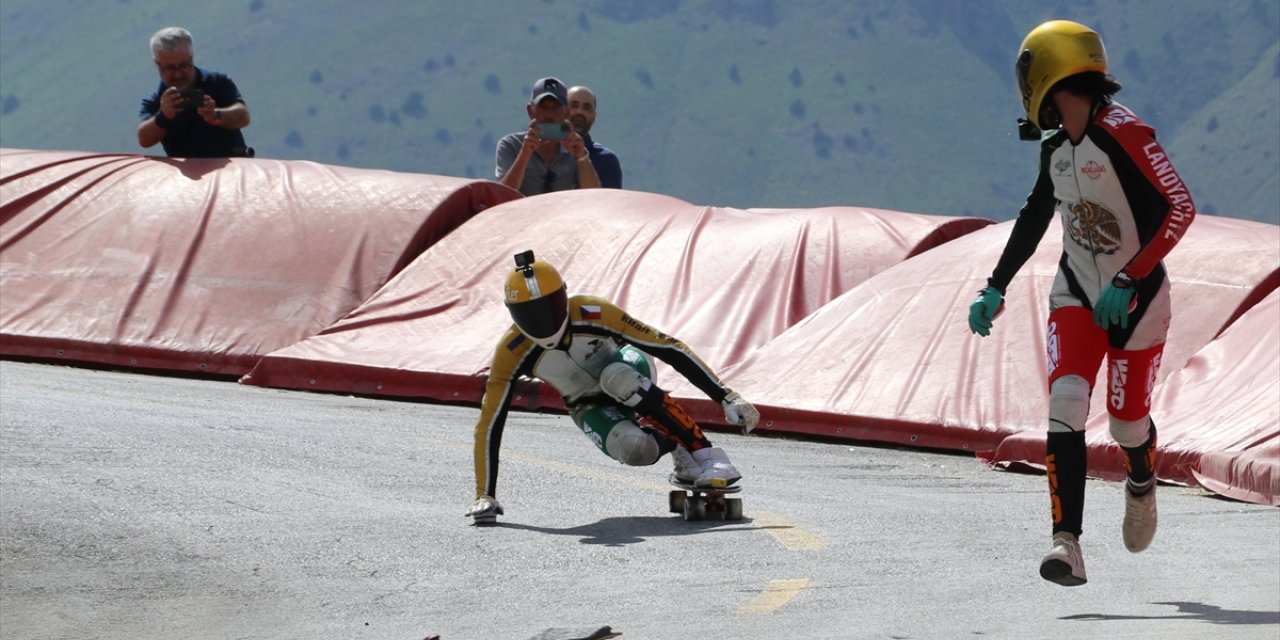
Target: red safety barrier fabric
{"x":893,"y":359}
{"x":839,"y":322}
{"x":1243,"y":456}
{"x":725,"y":281}
{"x":202,"y":265}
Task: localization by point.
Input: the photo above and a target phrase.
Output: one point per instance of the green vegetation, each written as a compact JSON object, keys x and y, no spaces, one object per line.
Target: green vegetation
{"x":743,"y":103}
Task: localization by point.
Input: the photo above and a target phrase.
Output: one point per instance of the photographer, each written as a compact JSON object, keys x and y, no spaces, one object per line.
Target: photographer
{"x":194,"y":113}
{"x":550,"y":156}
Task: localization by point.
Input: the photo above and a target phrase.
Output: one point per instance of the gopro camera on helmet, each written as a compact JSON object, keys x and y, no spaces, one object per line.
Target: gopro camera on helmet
{"x":1027,"y":131}
{"x":524,"y":260}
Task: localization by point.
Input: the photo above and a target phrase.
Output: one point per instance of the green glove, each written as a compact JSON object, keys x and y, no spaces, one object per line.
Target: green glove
{"x":1113,"y":306}
{"x":983,"y":311}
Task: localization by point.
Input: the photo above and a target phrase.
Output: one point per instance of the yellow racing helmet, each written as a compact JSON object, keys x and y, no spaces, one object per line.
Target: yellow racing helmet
{"x":535,"y":295}
{"x":1053,"y":51}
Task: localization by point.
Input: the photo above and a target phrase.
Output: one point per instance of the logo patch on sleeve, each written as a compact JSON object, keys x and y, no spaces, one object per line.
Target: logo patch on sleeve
{"x":590,"y":312}
{"x":515,"y":342}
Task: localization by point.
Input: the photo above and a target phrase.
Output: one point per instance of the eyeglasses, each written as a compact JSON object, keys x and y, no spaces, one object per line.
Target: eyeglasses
{"x":175,"y":68}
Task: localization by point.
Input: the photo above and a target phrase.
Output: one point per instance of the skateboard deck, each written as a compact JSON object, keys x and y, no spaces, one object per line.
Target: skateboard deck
{"x":700,"y":503}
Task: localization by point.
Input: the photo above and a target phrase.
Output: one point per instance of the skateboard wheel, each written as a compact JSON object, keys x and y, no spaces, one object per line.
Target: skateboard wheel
{"x":733,"y":508}
{"x":694,"y":509}
{"x":675,"y":501}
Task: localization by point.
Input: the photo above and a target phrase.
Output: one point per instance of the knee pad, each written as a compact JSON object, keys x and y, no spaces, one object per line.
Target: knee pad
{"x":1068,"y":404}
{"x":623,"y":383}
{"x":1130,"y":433}
{"x":631,"y":445}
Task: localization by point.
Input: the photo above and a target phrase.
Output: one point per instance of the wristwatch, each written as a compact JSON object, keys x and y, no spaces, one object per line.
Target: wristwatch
{"x":1123,"y":281}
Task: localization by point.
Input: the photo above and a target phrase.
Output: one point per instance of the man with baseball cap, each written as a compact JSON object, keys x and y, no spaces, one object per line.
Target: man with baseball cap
{"x":550,"y":155}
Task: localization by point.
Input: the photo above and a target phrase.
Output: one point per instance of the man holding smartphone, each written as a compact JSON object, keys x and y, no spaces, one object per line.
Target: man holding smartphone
{"x":550,"y":155}
{"x":194,"y":113}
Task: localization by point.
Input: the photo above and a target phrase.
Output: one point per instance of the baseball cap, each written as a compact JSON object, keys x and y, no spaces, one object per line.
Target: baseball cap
{"x":549,"y":87}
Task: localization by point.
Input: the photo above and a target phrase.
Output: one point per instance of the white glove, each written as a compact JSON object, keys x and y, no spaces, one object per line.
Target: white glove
{"x":485,"y":509}
{"x":740,"y":412}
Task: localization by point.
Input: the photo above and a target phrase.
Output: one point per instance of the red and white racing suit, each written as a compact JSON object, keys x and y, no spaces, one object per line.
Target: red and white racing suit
{"x":1123,"y":208}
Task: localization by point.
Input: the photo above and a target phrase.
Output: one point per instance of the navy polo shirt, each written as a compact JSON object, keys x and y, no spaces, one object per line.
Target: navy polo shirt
{"x":608,"y":167}
{"x":188,"y":135}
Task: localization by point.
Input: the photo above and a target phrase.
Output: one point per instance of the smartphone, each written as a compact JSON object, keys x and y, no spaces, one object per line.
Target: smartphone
{"x":192,"y":98}
{"x":553,"y":130}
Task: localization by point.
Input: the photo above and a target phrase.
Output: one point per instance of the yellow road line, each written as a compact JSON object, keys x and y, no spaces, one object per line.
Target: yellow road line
{"x":786,"y":533}
{"x":775,"y":596}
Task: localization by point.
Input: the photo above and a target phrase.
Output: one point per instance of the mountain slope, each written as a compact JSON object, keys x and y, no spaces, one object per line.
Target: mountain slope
{"x":745,"y":103}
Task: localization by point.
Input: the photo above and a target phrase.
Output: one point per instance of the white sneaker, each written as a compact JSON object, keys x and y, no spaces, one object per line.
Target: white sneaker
{"x":687,"y":469}
{"x":1139,"y":525}
{"x":717,"y":471}
{"x":1064,"y":564}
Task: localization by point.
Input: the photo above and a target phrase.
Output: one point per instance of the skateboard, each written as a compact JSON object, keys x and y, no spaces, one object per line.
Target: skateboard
{"x":700,"y":503}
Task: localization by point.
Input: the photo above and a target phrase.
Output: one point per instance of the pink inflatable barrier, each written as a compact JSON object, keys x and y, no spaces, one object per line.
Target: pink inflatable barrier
{"x":725,"y":281}
{"x":893,"y":360}
{"x":839,"y":322}
{"x":202,"y":265}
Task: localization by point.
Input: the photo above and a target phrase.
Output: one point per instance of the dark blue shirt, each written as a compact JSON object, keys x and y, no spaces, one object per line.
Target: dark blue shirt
{"x":188,"y":135}
{"x":606,"y":164}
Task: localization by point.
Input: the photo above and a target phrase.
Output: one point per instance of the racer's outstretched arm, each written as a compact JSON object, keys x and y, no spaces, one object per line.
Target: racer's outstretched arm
{"x":509,"y":358}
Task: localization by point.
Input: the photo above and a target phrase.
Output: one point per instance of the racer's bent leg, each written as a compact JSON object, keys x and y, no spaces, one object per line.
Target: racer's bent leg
{"x":670,"y":419}
{"x":626,"y":380}
{"x":614,"y":430}
{"x":1132,"y":377}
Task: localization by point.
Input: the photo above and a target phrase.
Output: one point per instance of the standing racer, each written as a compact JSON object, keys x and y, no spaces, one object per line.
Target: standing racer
{"x":1123,"y":208}
{"x":598,"y":358}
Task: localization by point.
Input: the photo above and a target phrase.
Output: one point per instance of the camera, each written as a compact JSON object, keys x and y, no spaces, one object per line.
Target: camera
{"x":1027,"y":131}
{"x":192,"y":98}
{"x":553,"y":130}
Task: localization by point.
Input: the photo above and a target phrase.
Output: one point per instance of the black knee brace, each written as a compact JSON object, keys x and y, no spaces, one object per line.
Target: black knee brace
{"x":671,"y":418}
{"x":1066,"y":463}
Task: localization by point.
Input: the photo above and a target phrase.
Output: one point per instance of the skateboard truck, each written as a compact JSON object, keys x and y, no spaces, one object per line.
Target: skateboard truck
{"x":701,"y":503}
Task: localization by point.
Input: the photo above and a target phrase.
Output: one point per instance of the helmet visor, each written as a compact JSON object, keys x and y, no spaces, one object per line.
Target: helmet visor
{"x":541,"y":317}
{"x":1023,"y":71}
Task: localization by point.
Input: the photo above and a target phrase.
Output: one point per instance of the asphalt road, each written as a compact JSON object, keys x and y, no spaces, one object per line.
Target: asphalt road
{"x":140,"y":507}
